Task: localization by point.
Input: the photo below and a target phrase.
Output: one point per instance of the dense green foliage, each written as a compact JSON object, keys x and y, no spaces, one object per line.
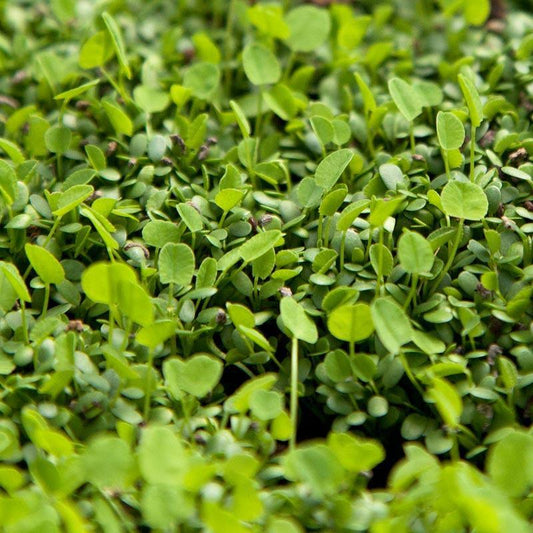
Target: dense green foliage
{"x":265,"y":266}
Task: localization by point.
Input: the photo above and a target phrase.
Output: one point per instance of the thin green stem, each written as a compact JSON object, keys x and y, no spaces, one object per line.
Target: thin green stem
{"x":126,"y":338}
{"x":446,"y":164}
{"x":24,"y":323}
{"x":115,"y":85}
{"x":290,"y":64}
{"x":454,"y":452}
{"x":343,"y":245}
{"x":327,"y":229}
{"x":412,"y":292}
{"x":379,"y":282}
{"x":472,"y":151}
{"x":228,"y":48}
{"x":223,"y":219}
{"x":148,"y":393}
{"x":170,"y":298}
{"x":319,"y":231}
{"x":52,"y":231}
{"x":369,"y":243}
{"x":294,"y":391}
{"x":451,"y":256}
{"x":412,"y":136}
{"x":111,"y":326}
{"x":258,"y":119}
{"x":59,"y":166}
{"x":410,"y":374}
{"x":46,"y":299}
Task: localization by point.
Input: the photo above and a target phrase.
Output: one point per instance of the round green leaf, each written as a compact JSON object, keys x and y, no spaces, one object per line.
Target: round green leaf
{"x":162,"y":457}
{"x":57,"y":139}
{"x":464,"y":200}
{"x":100,"y":280}
{"x":309,"y":28}
{"x":316,"y":465}
{"x":351,"y":323}
{"x":510,"y":463}
{"x":378,"y":406}
{"x":260,"y":65}
{"x":176,"y":264}
{"x":108,"y":462}
{"x":149,"y":99}
{"x":164,"y":506}
{"x":415,"y":253}
{"x":450,"y":131}
{"x":160,"y":232}
{"x":477,"y":12}
{"x":202,"y":79}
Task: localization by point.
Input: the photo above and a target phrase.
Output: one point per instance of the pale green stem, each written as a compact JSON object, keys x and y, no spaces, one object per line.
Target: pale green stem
{"x":343,"y":244}
{"x":319,"y":231}
{"x":472,"y":150}
{"x":380,"y":261}
{"x":410,"y":374}
{"x":412,"y":136}
{"x":24,"y":323}
{"x":446,"y":164}
{"x":52,"y":231}
{"x":294,"y":391}
{"x":148,"y":393}
{"x":228,"y":45}
{"x":412,"y":292}
{"x":46,"y":298}
{"x":451,"y":256}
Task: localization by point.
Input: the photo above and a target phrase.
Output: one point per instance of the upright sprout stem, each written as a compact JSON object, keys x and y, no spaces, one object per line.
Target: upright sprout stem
{"x":472,"y":151}
{"x":294,"y":391}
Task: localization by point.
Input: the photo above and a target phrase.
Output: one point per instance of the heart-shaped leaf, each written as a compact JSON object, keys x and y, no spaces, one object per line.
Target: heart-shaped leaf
{"x":351,"y":323}
{"x":405,"y":98}
{"x":464,"y":200}
{"x":197,"y":375}
{"x":176,"y":264}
